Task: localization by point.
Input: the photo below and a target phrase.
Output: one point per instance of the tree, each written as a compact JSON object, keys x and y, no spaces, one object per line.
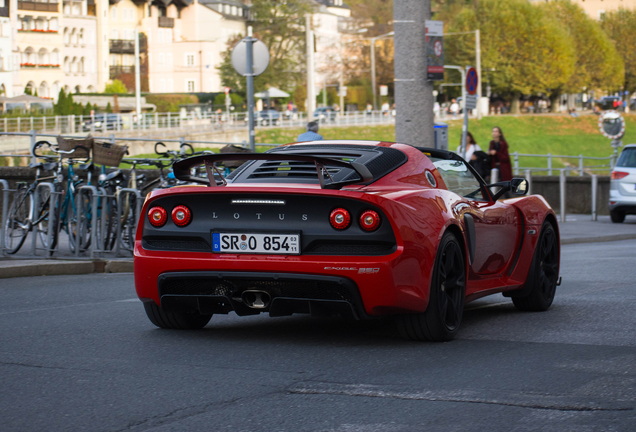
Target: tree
{"x":116,"y":87}
{"x":524,"y":49}
{"x":598,"y":64}
{"x":619,"y":26}
{"x":109,"y":108}
{"x":281,"y":26}
{"x":87,"y":109}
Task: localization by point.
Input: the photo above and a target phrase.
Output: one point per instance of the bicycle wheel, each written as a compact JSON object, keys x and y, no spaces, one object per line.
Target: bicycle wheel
{"x":129,"y":227}
{"x":78,"y":222}
{"x":85,"y":218}
{"x":18,"y":224}
{"x":110,"y":207}
{"x":45,"y":217}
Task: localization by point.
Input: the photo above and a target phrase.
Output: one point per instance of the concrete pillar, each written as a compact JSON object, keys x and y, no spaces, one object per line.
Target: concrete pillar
{"x":413,"y":94}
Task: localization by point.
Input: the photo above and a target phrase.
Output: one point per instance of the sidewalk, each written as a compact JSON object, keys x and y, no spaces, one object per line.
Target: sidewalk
{"x":576,"y":229}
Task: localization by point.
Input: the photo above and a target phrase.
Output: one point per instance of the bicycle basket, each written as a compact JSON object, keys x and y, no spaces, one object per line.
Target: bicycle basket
{"x":108,"y":154}
{"x":68,"y":144}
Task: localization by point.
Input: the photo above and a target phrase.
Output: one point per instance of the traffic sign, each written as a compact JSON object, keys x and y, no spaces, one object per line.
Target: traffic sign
{"x":226,"y":90}
{"x":472,"y":81}
{"x":260,"y":59}
{"x":471,"y":102}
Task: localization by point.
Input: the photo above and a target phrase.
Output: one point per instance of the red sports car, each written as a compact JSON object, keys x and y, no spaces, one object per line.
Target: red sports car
{"x":358,"y":228}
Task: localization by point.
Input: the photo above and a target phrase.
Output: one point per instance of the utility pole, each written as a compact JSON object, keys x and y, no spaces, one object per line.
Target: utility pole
{"x":414,"y":122}
{"x":137,"y":78}
{"x":311,"y":89}
{"x":249,"y":41}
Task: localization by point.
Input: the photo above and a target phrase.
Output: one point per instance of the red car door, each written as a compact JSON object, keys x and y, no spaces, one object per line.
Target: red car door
{"x":496,"y":236}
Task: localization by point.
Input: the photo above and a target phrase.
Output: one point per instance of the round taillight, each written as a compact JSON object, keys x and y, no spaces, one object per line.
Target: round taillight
{"x":339,"y":218}
{"x":369,"y":220}
{"x":181,"y":215}
{"x":157,"y":216}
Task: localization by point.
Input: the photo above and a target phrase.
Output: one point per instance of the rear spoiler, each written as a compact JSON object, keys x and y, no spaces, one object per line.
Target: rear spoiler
{"x":182,"y":168}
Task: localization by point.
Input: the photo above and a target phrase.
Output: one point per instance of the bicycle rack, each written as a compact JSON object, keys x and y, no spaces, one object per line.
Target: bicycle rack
{"x":80,"y":208}
{"x":120,"y":201}
{"x":5,"y":211}
{"x":51,"y":230}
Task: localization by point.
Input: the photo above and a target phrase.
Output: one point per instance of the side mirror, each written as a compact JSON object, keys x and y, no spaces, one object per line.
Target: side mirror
{"x":518,"y":186}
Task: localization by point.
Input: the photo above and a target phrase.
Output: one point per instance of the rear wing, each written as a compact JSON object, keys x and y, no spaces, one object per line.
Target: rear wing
{"x":182,"y":168}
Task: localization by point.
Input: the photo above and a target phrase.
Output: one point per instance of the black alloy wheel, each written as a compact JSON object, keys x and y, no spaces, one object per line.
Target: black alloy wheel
{"x":442,"y":318}
{"x":452,"y":283}
{"x":544,"y":273}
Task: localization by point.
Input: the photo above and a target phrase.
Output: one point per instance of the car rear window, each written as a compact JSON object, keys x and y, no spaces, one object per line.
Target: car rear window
{"x":627,"y":158}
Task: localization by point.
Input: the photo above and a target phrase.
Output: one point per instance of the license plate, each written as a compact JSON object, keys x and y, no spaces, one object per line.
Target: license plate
{"x":288,"y":244}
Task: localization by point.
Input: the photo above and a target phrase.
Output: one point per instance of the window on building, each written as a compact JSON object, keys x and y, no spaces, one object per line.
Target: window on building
{"x":81,"y":36}
{"x":189,"y":59}
{"x":67,"y":36}
{"x":114,"y":34}
{"x":113,"y":13}
{"x":233,"y":10}
{"x":169,"y":60}
{"x":162,"y":85}
{"x":161,"y":59}
{"x":53,"y":25}
{"x":226,"y":9}
{"x":170,"y":85}
{"x":601,"y":14}
{"x":190,"y":85}
{"x":160,"y":36}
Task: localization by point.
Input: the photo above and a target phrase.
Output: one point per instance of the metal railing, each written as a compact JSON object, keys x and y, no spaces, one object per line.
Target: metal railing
{"x":579,"y":166}
{"x":197,"y":119}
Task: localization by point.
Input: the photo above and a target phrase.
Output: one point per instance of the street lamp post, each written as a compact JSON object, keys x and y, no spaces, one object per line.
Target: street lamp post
{"x":375,"y":93}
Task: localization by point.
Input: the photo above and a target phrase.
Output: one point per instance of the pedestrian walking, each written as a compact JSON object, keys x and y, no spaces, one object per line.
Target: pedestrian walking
{"x":311,"y":134}
{"x":499,"y":157}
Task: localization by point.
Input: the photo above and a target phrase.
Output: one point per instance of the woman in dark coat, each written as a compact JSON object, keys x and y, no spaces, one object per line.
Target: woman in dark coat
{"x":499,"y":156}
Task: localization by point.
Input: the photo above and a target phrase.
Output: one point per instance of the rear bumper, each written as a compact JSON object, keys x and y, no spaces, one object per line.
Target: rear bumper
{"x":221,"y":292}
{"x":365,"y":286}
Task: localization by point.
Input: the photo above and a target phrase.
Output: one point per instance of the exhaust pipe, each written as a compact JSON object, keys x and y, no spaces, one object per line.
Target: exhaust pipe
{"x":256,"y":299}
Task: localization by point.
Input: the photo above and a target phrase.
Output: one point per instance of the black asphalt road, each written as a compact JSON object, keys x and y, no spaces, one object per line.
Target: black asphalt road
{"x":78,"y":353}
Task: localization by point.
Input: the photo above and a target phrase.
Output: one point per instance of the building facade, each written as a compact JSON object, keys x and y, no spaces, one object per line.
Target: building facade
{"x":79,"y":34}
{"x":185,"y":43}
{"x":6,"y":48}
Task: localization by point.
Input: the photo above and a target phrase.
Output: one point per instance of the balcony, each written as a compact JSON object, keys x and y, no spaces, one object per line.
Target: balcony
{"x":166,"y":22}
{"x":122,"y":46}
{"x":38,"y":6}
{"x":118,"y":70}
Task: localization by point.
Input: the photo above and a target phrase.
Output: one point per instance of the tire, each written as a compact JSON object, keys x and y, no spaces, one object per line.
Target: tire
{"x":543,"y":275}
{"x":110,"y":207}
{"x":18,"y":225}
{"x":442,"y":318}
{"x":129,"y":224}
{"x":617,"y":216}
{"x":178,"y":321}
{"x":46,"y":216}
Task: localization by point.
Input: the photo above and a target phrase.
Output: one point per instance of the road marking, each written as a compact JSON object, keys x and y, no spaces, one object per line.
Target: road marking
{"x":488,"y":397}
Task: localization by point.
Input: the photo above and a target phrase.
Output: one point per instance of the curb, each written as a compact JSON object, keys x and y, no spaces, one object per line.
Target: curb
{"x":600,"y":239}
{"x":56,"y":268}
